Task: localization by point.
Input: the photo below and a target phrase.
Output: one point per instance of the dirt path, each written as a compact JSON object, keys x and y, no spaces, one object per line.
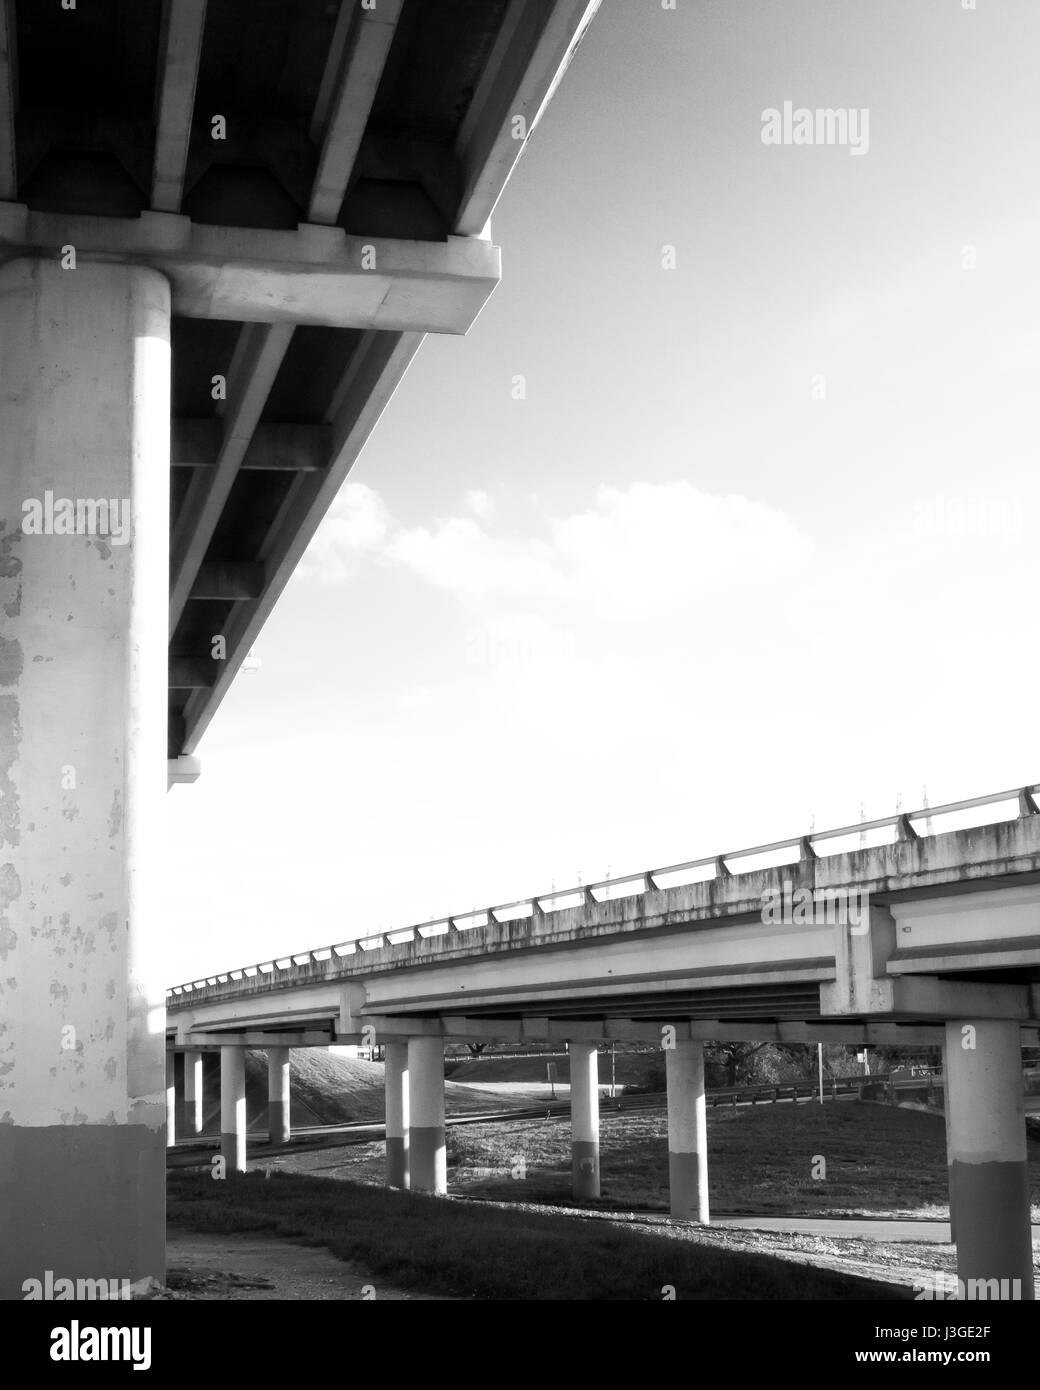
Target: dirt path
{"x":219,"y":1268}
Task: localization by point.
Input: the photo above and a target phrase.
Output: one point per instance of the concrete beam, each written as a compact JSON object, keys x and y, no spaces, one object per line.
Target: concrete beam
{"x":359,"y":69}
{"x":183,"y":24}
{"x":525,"y":66}
{"x":651,"y":1031}
{"x":374,"y":375}
{"x":923,"y":996}
{"x":182,"y":770}
{"x":257,"y":1038}
{"x":258,"y":355}
{"x":228,"y":579}
{"x":192,"y":672}
{"x":271,"y":447}
{"x":313,"y":275}
{"x":861,"y":956}
{"x":8,"y":101}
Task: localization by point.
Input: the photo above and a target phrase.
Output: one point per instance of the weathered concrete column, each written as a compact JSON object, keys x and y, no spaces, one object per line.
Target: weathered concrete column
{"x":84,"y":577}
{"x":687,"y":1131}
{"x":427,"y":1157}
{"x":278,"y":1118}
{"x":395,"y":1072}
{"x":986,"y":1150}
{"x":947,"y":1111}
{"x":171,"y":1099}
{"x":233,"y":1108}
{"x":193,"y":1117}
{"x":584,"y":1061}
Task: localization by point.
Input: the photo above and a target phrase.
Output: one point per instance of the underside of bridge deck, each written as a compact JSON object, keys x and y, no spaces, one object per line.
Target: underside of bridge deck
{"x":225,"y":228}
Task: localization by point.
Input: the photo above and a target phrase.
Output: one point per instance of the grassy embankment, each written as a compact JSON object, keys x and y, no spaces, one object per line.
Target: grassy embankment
{"x":486,"y":1252}
{"x":879,"y":1160}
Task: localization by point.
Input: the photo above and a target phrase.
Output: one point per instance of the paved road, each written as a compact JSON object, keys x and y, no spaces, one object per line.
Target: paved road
{"x":856,"y":1228}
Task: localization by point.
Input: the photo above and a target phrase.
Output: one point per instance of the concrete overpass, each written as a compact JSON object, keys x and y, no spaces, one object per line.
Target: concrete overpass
{"x":225,"y":228}
{"x":882,"y":933}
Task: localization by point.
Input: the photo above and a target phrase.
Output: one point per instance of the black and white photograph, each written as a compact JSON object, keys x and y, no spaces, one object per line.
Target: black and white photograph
{"x":518,"y":635}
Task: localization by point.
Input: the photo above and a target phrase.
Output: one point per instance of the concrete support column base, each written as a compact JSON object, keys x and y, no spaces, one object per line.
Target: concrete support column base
{"x":427,"y":1155}
{"x":585,"y":1168}
{"x":192,"y":1122}
{"x":584,"y":1066}
{"x":278,"y":1118}
{"x":233,"y":1108}
{"x":687,"y":1132}
{"x":988,"y":1168}
{"x":395,"y":1071}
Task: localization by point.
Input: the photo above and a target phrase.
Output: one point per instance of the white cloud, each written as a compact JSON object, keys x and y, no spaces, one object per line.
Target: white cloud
{"x":463,"y":557}
{"x":480,"y":504}
{"x":647,"y":547}
{"x":355,"y":527}
{"x":635,"y":550}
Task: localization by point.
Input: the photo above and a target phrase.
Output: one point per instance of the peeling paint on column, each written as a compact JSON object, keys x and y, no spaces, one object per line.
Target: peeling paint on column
{"x":115,"y":816}
{"x":10,"y":740}
{"x":10,"y":891}
{"x":11,"y":660}
{"x":10,"y":564}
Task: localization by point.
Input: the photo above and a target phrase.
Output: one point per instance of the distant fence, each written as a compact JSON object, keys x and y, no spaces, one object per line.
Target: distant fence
{"x":787,"y":1090}
{"x":887,"y":1088}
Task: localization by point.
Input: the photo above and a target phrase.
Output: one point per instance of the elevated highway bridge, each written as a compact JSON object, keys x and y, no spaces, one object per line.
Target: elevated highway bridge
{"x":885,"y":933}
{"x":225,"y":228}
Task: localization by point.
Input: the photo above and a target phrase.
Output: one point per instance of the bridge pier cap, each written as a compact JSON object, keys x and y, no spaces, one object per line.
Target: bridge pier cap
{"x":84,"y":574}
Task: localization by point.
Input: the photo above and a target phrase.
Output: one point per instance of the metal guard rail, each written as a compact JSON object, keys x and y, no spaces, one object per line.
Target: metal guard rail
{"x":492,"y":916}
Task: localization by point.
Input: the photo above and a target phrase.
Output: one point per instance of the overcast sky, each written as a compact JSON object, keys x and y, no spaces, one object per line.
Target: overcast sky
{"x":753,"y":548}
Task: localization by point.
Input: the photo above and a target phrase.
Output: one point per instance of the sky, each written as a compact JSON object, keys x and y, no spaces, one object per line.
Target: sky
{"x":714,"y":527}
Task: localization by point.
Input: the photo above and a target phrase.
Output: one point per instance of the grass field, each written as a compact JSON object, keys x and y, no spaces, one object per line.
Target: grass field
{"x":879,"y":1160}
{"x":481,"y":1251}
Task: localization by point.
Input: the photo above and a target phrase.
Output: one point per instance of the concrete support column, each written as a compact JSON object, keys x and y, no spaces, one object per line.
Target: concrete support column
{"x":192,"y":1120}
{"x":278,"y":1120}
{"x":427,"y":1157}
{"x":233,"y":1108}
{"x":84,"y":596}
{"x":395,"y":1071}
{"x":986,"y":1150}
{"x":171,"y":1099}
{"x":687,"y":1131}
{"x":584,"y":1061}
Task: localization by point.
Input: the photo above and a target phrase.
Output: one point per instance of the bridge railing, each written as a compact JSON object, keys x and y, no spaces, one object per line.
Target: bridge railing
{"x":648,"y":881}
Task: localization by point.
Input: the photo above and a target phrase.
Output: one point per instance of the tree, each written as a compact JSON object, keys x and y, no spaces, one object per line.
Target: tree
{"x":734,"y":1059}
